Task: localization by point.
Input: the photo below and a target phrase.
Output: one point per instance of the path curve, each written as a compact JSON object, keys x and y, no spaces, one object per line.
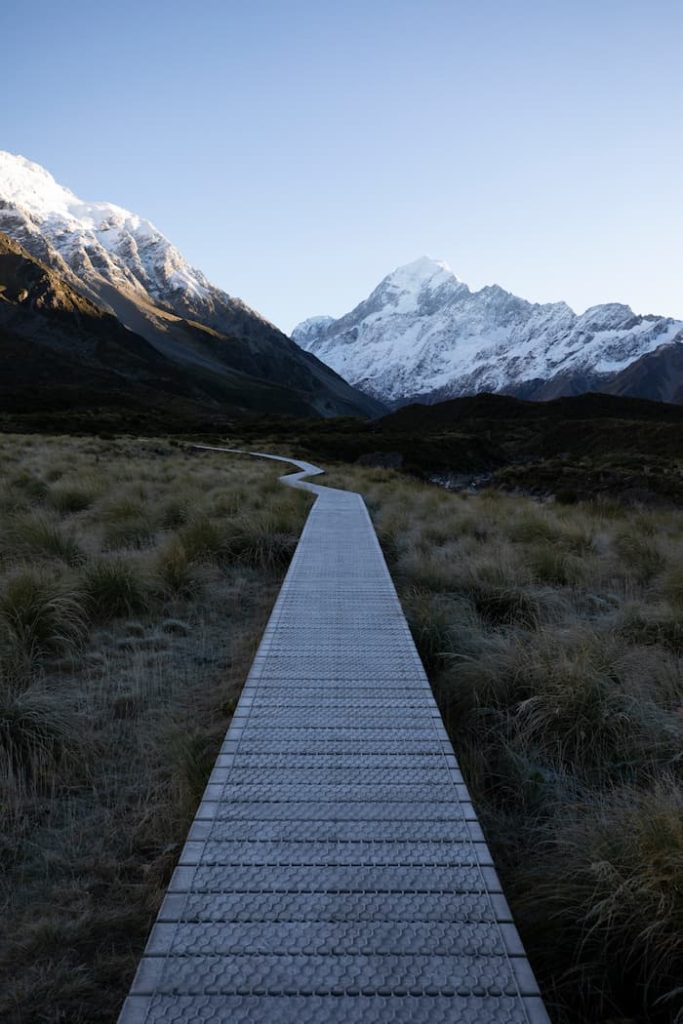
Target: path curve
{"x":335,"y":872}
{"x":291,"y":479}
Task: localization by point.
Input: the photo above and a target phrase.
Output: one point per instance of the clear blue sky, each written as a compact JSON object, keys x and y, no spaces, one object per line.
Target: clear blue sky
{"x":299,"y":150}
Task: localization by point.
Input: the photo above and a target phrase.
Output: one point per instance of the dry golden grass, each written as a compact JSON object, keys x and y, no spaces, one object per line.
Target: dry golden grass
{"x":135,"y":579}
{"x":553,"y":636}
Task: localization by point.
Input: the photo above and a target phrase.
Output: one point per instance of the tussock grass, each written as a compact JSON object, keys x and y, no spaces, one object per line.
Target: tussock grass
{"x":176,"y":572}
{"x":36,"y":535}
{"x":204,"y":540}
{"x":40,"y":615}
{"x":113,"y":587}
{"x":672,"y":587}
{"x":69,"y":498}
{"x":266,"y":541}
{"x":40,"y":737}
{"x":608,"y":878}
{"x":135,"y":580}
{"x":639,"y":553}
{"x":553,"y":636}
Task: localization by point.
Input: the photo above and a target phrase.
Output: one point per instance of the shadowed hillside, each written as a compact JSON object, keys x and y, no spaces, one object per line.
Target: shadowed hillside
{"x":60,"y":350}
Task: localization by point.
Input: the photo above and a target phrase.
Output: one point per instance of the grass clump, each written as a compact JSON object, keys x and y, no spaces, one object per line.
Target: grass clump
{"x":67,"y":499}
{"x":639,"y":553}
{"x":609,"y":882}
{"x":550,"y":564}
{"x":39,"y":616}
{"x":203,"y":540}
{"x":40,"y":738}
{"x":672,"y":588}
{"x":37,"y":535}
{"x":176,"y":571}
{"x":262,"y":542}
{"x":113,"y":587}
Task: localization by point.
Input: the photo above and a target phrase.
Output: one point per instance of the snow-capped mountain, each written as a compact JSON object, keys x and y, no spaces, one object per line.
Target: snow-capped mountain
{"x":423,"y":334}
{"x":128,"y":268}
{"x":103,"y":242}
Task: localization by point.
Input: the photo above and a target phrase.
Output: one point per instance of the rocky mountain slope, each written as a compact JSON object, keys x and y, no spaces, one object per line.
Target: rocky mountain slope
{"x":128,"y":269}
{"x":423,"y":334}
{"x":55,"y":341}
{"x":60,"y":351}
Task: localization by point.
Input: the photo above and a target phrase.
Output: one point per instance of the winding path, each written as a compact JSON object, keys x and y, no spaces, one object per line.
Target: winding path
{"x":335,"y":872}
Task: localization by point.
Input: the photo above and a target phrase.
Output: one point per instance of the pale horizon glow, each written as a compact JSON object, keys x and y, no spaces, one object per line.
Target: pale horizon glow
{"x":297,"y":152}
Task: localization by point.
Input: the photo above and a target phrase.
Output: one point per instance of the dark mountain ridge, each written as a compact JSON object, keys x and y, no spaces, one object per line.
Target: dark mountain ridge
{"x":60,"y":349}
{"x":128,"y":269}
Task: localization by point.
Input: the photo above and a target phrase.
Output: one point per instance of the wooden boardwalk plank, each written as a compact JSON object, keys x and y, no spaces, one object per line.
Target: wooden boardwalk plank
{"x":335,"y":871}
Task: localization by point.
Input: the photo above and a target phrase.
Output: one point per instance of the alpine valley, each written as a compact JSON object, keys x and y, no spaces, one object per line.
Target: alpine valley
{"x":98,"y":309}
{"x":423,"y":335}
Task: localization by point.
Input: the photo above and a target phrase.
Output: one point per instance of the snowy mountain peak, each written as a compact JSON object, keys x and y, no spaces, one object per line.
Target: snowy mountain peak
{"x":408,"y":285}
{"x":102,"y":238}
{"x":423,"y":334}
{"x":27,"y":184}
{"x":421,"y":272}
{"x":213,"y":347}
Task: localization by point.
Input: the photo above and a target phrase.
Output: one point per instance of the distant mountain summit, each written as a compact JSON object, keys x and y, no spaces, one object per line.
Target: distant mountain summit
{"x":423,"y":334}
{"x":127,"y":268}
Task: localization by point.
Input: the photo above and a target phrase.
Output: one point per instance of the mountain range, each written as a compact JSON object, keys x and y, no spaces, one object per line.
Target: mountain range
{"x":423,"y":335}
{"x":97,"y":306}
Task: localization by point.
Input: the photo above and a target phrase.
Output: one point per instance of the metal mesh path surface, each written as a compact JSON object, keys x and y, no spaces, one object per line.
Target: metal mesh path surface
{"x":335,"y":871}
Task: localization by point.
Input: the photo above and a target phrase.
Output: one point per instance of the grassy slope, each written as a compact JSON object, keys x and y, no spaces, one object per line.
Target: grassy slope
{"x":135,"y":580}
{"x":553,"y":636}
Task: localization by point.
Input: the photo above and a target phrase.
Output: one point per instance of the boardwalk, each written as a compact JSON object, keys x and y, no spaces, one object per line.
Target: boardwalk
{"x":335,"y":871}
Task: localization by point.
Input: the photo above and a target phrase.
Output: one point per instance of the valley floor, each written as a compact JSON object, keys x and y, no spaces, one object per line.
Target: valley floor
{"x":553,"y":637}
{"x":135,"y":580}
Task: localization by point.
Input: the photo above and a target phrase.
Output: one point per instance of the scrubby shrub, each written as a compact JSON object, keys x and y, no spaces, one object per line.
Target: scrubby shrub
{"x":191,"y":756}
{"x":175,"y":513}
{"x":127,"y":534}
{"x":580,"y":711}
{"x":35,"y":489}
{"x":652,"y":626}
